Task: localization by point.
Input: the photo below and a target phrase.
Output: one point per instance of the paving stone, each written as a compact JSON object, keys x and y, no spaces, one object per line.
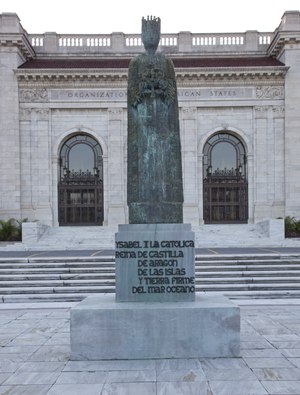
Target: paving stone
{"x":76,"y":389}
{"x":7,"y":366}
{"x":282,"y":387}
{"x":222,"y":363}
{"x":183,"y":388}
{"x":252,"y":387}
{"x":266,"y":353}
{"x":51,"y":353}
{"x":131,"y":376}
{"x":177,"y":364}
{"x":26,"y":378}
{"x":268,"y":363}
{"x":58,"y":339}
{"x":15,"y":357}
{"x":18,"y":349}
{"x":291,"y":353}
{"x":181,"y":375}
{"x":295,"y":362}
{"x":282,"y":338}
{"x":30,"y":339}
{"x":129,"y":389}
{"x":82,"y":377}
{"x":81,"y":366}
{"x":41,"y":367}
{"x":277,"y":374}
{"x":236,"y":374}
{"x":25,"y":390}
{"x":4,"y":376}
{"x":255,"y":345}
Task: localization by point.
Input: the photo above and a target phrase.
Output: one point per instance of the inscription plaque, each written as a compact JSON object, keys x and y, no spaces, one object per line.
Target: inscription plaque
{"x":155,"y":263}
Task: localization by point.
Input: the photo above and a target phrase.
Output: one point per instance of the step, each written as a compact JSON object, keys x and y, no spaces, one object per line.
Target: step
{"x":55,"y":276}
{"x":205,"y":268}
{"x":241,"y":287}
{"x":247,"y":273}
{"x":247,"y":280}
{"x":27,"y":298}
{"x":57,"y":289}
{"x":74,"y":278}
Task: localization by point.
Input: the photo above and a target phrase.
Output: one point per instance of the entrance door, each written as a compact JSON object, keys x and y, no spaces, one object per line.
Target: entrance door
{"x":80,"y":188}
{"x":225,"y":183}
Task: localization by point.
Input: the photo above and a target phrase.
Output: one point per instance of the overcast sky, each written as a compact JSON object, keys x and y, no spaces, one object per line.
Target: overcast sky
{"x":107,"y":16}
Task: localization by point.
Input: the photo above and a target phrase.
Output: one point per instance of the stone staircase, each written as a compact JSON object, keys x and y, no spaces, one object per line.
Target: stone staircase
{"x":37,"y":279}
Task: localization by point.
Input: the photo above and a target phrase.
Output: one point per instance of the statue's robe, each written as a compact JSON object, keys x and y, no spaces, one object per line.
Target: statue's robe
{"x":154,"y":185}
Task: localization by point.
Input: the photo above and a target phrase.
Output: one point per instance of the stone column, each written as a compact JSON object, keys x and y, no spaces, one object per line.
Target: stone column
{"x":191,"y":177}
{"x":261,"y":206}
{"x":116,"y":183}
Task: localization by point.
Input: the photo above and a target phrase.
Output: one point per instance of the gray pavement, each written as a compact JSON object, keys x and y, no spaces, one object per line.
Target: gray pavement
{"x":35,"y":347}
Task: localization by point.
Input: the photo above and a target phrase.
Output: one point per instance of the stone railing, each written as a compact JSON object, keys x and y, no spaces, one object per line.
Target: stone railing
{"x":182,"y":42}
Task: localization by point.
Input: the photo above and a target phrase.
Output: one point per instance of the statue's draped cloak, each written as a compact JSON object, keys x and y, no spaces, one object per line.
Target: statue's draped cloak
{"x":154,"y":186}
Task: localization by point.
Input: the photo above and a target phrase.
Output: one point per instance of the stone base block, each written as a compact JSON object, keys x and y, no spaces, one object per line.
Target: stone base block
{"x":103,"y":329}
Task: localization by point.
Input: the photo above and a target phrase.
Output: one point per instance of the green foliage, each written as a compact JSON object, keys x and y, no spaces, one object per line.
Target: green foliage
{"x":292,"y":227}
{"x":11,"y":230}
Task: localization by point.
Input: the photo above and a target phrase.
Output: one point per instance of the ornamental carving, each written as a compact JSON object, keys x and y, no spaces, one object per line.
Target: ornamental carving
{"x":28,"y":114}
{"x":34,"y":95}
{"x":278,"y":111}
{"x":152,"y":83}
{"x":189,"y":112}
{"x":269,"y":92}
{"x":261,"y":112}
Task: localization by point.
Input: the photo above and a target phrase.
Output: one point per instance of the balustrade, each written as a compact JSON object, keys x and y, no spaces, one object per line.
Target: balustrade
{"x":119,"y":42}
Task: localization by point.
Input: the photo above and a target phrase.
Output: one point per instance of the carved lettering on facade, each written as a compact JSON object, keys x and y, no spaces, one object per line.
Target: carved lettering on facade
{"x":88,"y":95}
{"x":269,"y":92}
{"x":34,"y":95}
{"x":120,"y":95}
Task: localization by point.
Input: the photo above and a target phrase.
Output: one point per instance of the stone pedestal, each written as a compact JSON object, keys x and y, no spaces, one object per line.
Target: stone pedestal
{"x":102,"y":329}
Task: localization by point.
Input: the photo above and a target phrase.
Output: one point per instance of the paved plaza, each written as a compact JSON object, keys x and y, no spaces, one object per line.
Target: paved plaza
{"x":35,"y":349}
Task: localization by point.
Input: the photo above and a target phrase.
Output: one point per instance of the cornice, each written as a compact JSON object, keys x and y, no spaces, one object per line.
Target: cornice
{"x":19,"y":41}
{"x":281,"y":39}
{"x":120,"y":75}
{"x":64,"y":75}
{"x":230,"y":73}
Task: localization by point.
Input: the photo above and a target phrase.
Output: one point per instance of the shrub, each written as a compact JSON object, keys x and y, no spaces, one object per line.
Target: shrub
{"x":292,"y":227}
{"x":11,"y":230}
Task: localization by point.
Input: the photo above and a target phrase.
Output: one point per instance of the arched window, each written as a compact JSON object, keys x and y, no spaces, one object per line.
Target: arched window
{"x":80,"y":154}
{"x":225,"y":180}
{"x":80,"y":181}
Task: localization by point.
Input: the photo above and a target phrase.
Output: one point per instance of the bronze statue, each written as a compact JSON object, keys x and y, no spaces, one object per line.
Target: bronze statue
{"x":154,"y":185}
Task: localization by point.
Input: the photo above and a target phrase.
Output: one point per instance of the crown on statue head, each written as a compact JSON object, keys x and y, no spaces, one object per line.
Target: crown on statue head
{"x":151,"y":33}
{"x":151,"y":24}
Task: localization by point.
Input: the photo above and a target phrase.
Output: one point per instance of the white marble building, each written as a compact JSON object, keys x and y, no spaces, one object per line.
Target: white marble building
{"x":63,"y":124}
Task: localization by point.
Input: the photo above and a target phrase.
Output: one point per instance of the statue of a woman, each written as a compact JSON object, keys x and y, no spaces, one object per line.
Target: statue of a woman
{"x":154,"y":185}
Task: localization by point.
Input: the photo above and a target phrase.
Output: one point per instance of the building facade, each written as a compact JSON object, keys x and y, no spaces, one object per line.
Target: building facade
{"x":63,"y":124}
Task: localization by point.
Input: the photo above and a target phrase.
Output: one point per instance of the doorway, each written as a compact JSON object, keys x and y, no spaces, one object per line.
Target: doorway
{"x":80,"y":187}
{"x":225,"y":184}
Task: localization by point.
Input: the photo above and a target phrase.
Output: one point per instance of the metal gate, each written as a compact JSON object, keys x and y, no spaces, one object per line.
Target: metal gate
{"x":225,"y":199}
{"x":80,"y":200}
{"x":225,"y":185}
